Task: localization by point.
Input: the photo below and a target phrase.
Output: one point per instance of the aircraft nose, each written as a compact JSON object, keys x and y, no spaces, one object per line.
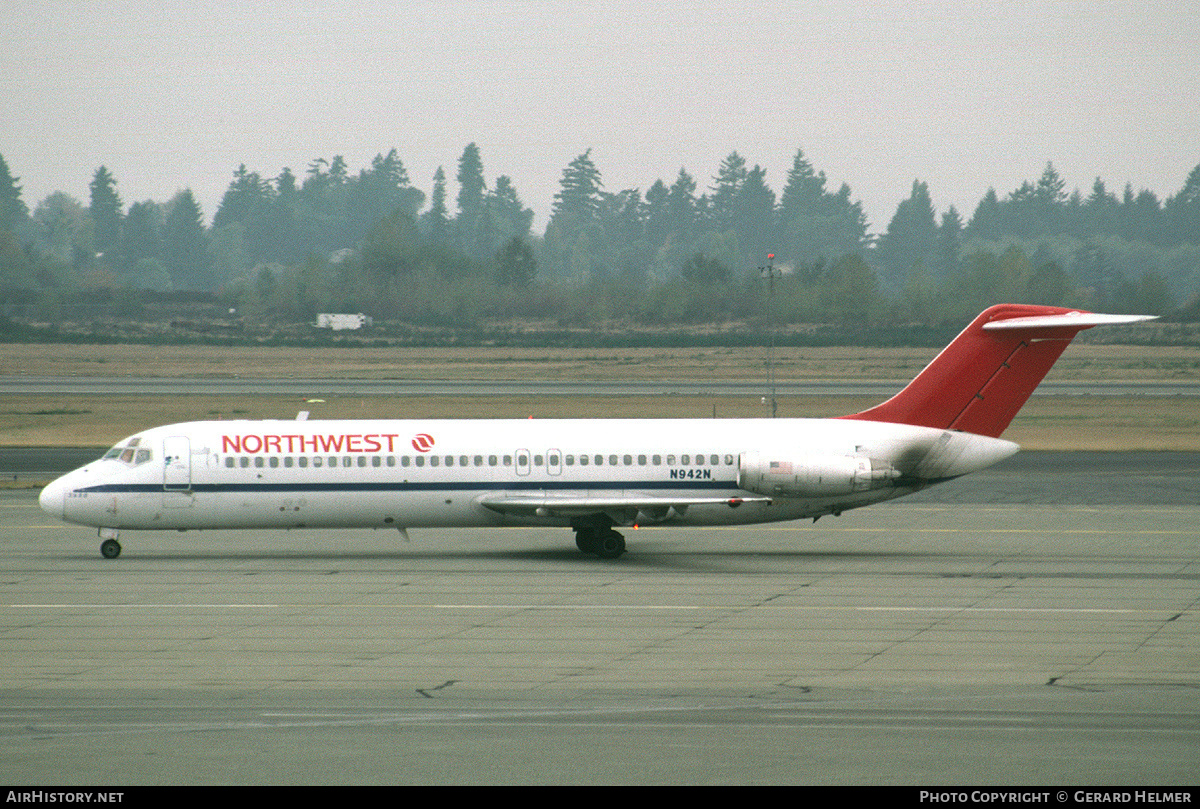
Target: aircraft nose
{"x":53,"y":498}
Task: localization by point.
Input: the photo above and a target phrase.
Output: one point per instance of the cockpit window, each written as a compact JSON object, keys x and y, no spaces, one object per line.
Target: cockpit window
{"x":129,"y":453}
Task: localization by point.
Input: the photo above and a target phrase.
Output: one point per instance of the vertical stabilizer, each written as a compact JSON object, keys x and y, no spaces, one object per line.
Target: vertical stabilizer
{"x":979,"y":382}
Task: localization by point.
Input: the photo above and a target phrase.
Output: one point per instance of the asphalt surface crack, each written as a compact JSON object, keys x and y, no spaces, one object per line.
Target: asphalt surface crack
{"x":428,"y":692}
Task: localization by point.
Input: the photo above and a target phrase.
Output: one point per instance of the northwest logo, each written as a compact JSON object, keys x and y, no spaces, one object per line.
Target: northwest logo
{"x":422,"y":442}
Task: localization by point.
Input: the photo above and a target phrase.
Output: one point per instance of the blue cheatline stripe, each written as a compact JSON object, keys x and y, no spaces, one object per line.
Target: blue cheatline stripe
{"x":443,"y":486}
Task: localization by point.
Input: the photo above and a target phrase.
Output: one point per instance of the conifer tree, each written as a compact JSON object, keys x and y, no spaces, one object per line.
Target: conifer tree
{"x":185,"y":244}
{"x":803,"y":191}
{"x":727,"y":186}
{"x":105,"y":211}
{"x":577,"y":202}
{"x":911,"y":237}
{"x":12,"y":210}
{"x":949,"y":242}
{"x":142,"y":234}
{"x":681,"y":207}
{"x":470,"y":184}
{"x":437,"y":219}
{"x":754,"y":215}
{"x":1183,"y":211}
{"x":471,"y":189}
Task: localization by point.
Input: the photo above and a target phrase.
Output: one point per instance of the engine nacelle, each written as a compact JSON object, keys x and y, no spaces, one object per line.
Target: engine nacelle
{"x":812,"y":475}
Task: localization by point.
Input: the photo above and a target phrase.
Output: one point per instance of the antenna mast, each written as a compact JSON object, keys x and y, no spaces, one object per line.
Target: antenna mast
{"x":770,"y":274}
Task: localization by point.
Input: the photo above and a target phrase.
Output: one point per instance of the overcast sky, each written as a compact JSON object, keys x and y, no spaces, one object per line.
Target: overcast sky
{"x":964,"y":96}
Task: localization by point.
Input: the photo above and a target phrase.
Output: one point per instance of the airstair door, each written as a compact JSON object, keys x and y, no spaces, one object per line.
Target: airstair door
{"x":177,"y":471}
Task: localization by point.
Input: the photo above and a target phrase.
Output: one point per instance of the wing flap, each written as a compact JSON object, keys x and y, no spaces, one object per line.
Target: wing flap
{"x":582,"y":505}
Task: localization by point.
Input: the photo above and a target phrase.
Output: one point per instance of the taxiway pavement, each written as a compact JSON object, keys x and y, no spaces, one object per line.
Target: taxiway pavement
{"x":1034,"y":624}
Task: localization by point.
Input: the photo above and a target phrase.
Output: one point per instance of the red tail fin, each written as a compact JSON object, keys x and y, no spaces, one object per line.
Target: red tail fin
{"x":979,"y":382}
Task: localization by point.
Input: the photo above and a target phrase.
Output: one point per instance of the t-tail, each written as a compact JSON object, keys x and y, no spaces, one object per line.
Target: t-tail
{"x":979,"y":382}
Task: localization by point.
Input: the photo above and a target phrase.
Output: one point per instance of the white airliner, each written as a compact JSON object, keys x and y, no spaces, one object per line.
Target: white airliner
{"x":592,"y":475}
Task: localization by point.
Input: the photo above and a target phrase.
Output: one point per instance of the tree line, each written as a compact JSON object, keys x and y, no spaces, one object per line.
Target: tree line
{"x":286,"y":247}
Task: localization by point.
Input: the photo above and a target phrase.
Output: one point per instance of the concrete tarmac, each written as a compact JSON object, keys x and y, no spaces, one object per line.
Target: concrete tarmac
{"x":1033,"y":625}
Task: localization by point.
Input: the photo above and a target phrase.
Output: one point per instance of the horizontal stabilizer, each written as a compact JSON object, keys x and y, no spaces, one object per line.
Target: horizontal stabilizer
{"x":1069,"y":320}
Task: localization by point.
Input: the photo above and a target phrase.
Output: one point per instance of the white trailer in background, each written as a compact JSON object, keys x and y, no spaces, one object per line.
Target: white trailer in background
{"x":336,"y":322}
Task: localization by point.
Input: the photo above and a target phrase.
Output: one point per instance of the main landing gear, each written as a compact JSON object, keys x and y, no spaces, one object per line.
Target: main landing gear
{"x":600,"y":541}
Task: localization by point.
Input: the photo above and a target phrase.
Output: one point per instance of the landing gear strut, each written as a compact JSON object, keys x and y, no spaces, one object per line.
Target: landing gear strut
{"x":600,"y":541}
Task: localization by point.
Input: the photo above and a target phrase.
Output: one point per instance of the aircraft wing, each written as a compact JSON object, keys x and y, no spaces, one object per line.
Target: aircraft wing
{"x":630,"y":507}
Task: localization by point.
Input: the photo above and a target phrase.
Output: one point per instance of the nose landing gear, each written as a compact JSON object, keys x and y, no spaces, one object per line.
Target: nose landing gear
{"x":109,"y":548}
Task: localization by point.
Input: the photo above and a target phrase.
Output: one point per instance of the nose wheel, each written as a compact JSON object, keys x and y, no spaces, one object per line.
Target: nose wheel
{"x":110,"y":549}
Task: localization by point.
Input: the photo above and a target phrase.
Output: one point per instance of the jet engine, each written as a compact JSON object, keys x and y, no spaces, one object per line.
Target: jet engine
{"x":812,"y":475}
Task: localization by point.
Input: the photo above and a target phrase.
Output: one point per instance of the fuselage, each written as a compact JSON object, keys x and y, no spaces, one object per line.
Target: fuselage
{"x":428,"y":473}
